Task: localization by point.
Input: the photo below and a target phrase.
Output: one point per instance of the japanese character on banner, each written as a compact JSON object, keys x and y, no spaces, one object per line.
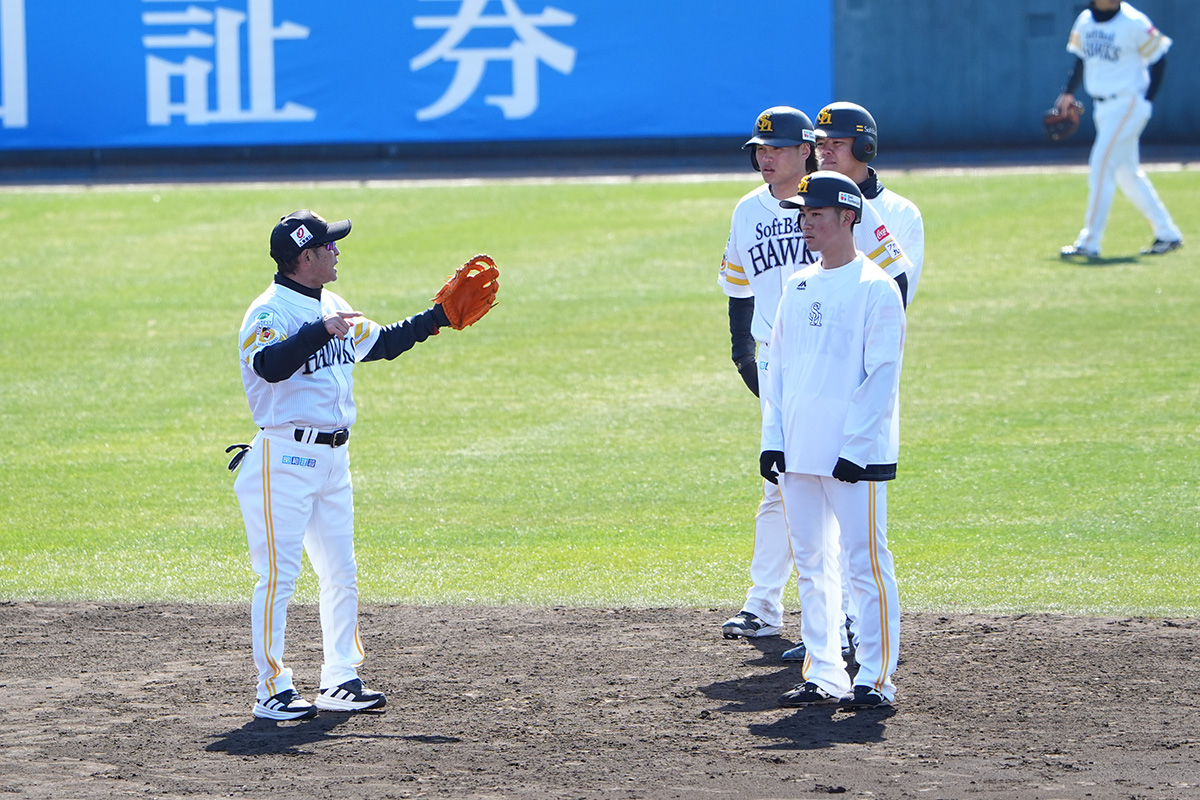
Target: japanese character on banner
{"x":530,"y":48}
{"x":216,"y":33}
{"x":14,"y":84}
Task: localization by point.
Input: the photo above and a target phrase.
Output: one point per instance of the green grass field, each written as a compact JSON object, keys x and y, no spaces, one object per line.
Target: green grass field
{"x":589,"y":443}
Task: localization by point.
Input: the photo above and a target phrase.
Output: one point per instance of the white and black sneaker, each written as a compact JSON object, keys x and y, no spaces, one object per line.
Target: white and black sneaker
{"x":863,"y":697}
{"x":1161,"y":247}
{"x":806,"y":694}
{"x":286,"y":705}
{"x":746,"y":624}
{"x":350,"y":696}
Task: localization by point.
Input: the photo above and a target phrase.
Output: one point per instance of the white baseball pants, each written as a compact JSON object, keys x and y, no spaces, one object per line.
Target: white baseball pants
{"x":1114,"y":162}
{"x":298,"y":498}
{"x":812,"y":504}
{"x":772,"y":564}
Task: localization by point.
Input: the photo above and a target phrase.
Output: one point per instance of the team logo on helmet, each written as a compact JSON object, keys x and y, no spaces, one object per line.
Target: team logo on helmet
{"x":301,"y":236}
{"x":803,"y":187}
{"x":764,"y":124}
{"x":824,"y":118}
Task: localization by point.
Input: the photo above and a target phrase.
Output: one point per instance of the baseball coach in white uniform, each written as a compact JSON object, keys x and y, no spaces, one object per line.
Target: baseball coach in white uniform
{"x":298,"y":347}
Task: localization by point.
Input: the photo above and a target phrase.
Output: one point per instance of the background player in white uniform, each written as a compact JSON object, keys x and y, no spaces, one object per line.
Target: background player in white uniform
{"x":763,"y":250}
{"x":847,"y":142}
{"x":297,"y":346}
{"x":1120,"y":59}
{"x":829,"y":438}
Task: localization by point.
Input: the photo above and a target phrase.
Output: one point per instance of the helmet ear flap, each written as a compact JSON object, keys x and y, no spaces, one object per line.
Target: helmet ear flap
{"x":864,"y":148}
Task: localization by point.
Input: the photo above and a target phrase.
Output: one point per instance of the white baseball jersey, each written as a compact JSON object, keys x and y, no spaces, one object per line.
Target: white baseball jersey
{"x":832,"y":385}
{"x":1116,"y":53}
{"x":903,"y":220}
{"x":765,"y":248}
{"x":320,"y":394}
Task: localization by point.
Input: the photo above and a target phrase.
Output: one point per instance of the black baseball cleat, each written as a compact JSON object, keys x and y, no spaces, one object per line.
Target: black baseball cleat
{"x":287,"y":705}
{"x":350,"y":696}
{"x":863,"y":697}
{"x":1074,"y":251}
{"x":806,"y":694}
{"x":1161,"y":246}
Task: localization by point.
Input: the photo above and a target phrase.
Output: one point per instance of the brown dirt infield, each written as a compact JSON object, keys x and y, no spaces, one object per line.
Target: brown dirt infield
{"x":109,"y":701}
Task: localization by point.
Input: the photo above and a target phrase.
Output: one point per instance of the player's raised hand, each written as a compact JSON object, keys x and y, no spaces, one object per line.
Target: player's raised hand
{"x":338,"y":323}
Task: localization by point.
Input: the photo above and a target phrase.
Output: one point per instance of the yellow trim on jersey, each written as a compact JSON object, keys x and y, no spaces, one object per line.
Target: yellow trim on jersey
{"x":1149,"y":47}
{"x":361,"y":331}
{"x":874,"y":255}
{"x":731,"y":267}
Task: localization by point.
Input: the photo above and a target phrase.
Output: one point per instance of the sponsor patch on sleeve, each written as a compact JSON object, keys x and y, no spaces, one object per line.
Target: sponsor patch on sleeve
{"x":881,"y":233}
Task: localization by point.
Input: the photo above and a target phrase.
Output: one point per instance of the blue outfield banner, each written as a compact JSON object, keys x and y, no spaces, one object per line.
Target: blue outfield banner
{"x":84,"y":74}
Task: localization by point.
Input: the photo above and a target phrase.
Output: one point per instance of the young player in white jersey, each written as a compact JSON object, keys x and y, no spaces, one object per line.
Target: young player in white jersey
{"x":830,"y":438}
{"x":847,"y":142}
{"x":763,"y":250}
{"x":297,"y":347}
{"x":1120,"y":58}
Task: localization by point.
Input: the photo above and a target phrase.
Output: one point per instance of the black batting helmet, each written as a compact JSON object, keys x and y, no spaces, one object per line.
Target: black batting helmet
{"x":780,"y":126}
{"x":850,"y":121}
{"x":827,"y":189}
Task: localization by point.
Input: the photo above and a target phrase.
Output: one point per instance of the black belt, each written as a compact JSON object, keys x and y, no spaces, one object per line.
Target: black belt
{"x":335,"y":439}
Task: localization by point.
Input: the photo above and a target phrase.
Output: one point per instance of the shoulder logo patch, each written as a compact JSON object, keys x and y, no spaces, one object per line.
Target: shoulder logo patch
{"x":881,"y":233}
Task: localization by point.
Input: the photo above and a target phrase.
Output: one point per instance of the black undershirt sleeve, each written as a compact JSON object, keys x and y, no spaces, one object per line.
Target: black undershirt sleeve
{"x":741,"y":314}
{"x":401,"y":336}
{"x":1156,"y":75}
{"x":280,"y":361}
{"x":1074,"y":77}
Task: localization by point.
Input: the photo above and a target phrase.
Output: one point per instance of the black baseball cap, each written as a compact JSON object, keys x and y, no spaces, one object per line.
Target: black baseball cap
{"x":301,"y":229}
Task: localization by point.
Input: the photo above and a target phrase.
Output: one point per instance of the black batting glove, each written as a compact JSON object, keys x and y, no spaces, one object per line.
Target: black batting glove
{"x":748,"y":369}
{"x":847,"y":471}
{"x":769,"y":459}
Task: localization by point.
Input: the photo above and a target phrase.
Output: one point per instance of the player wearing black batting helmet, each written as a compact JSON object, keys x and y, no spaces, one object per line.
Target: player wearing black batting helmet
{"x":824,"y":189}
{"x":850,"y":121}
{"x":781,"y":126}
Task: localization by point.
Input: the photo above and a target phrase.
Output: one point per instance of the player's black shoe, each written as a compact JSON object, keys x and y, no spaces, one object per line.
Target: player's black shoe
{"x":350,"y":696}
{"x":746,"y":624}
{"x":862,"y":697}
{"x":286,"y":705}
{"x":1073,"y":251}
{"x":806,"y":694}
{"x":1161,"y":246}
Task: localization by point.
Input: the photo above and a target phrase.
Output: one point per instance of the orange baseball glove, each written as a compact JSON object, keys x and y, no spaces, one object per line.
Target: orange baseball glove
{"x":1062,"y":126}
{"x":470,"y":292}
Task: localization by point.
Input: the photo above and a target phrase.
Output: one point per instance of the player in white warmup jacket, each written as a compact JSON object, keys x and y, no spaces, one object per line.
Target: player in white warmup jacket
{"x":1120,"y":60}
{"x":830,"y":438}
{"x":763,"y":250}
